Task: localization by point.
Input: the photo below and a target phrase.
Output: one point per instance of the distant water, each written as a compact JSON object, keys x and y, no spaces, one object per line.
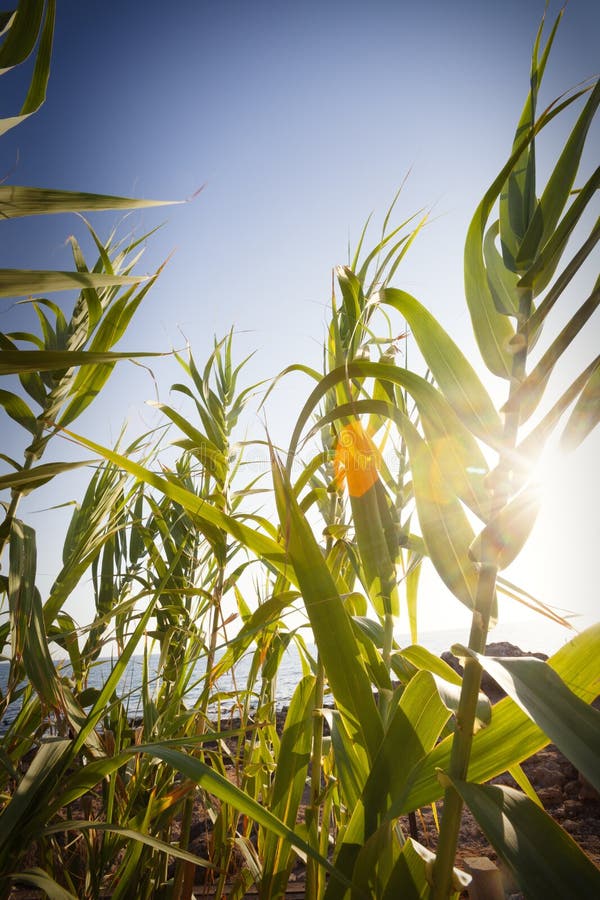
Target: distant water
{"x":539,"y":635}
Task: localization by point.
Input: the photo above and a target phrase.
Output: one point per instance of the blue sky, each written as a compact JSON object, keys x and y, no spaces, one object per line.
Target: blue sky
{"x":300,"y":119}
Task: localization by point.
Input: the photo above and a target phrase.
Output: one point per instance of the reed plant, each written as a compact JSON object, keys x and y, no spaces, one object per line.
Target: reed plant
{"x":197,"y":565}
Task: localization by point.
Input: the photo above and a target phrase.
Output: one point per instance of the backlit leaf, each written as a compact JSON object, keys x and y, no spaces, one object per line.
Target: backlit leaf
{"x":586,"y":413}
{"x":571,"y":724}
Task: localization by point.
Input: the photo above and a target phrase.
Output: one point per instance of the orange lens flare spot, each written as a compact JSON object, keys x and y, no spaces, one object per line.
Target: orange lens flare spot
{"x":356,"y":460}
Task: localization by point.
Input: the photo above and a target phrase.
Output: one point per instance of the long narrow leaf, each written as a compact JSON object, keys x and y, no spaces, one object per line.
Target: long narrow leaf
{"x":453,"y":373}
{"x":255,"y":541}
{"x":19,"y":362}
{"x":21,"y":282}
{"x":544,"y":859}
{"x":329,"y":620}
{"x":16,"y":201}
{"x":538,"y":690}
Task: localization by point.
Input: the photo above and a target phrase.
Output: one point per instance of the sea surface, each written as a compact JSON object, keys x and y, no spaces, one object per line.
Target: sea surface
{"x":539,"y":635}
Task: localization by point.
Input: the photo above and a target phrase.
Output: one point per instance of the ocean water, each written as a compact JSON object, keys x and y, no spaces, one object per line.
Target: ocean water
{"x":531,"y":637}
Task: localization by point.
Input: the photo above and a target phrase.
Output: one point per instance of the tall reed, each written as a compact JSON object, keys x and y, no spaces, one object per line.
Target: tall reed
{"x":182,"y":558}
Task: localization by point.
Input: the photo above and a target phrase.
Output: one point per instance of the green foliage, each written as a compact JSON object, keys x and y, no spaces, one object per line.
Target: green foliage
{"x":176,"y":553}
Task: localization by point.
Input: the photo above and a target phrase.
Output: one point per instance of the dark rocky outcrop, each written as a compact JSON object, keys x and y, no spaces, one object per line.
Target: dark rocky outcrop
{"x":498,"y":648}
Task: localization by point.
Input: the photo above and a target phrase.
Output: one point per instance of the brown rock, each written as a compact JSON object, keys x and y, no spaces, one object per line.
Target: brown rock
{"x":546,"y":776}
{"x":550,"y":796}
{"x":587,"y":791}
{"x":571,"y":789}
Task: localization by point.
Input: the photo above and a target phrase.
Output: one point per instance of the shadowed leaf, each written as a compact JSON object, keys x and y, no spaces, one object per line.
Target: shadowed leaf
{"x":544,"y":859}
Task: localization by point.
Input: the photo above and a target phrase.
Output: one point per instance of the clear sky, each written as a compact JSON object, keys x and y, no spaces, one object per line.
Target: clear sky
{"x":299,"y":119}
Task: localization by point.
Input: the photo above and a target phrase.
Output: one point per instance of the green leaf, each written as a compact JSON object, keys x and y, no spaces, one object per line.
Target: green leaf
{"x":329,"y":620}
{"x":492,"y":329}
{"x":267,"y":549}
{"x":530,"y":390}
{"x":464,"y":465}
{"x":422,"y":658}
{"x":89,"y":381}
{"x":353,"y":305}
{"x":22,"y":35}
{"x":18,"y":410}
{"x":536,"y":319}
{"x":518,"y":200}
{"x":36,"y":877}
{"x":31,"y":793}
{"x":88,"y":724}
{"x":17,"y":362}
{"x":29,"y":635}
{"x":511,"y":736}
{"x":444,"y":525}
{"x":351,"y":762}
{"x":16,"y":47}
{"x":27,"y":479}
{"x":7,"y":19}
{"x":376,"y":859}
{"x":450,"y":696}
{"x":170,"y":849}
{"x":530,"y":447}
{"x":415,"y":726}
{"x":411,"y":581}
{"x":207,"y":778}
{"x":453,"y":373}
{"x":544,"y":859}
{"x":539,"y":275}
{"x":586,"y":413}
{"x":506,"y":534}
{"x":538,"y":690}
{"x":559,"y":185}
{"x":411,"y":875}
{"x":36,"y":94}
{"x":501,"y":281}
{"x":21,"y":282}
{"x":288,"y":785}
{"x":16,"y":201}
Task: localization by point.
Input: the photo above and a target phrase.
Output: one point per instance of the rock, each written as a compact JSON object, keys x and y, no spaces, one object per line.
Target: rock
{"x":571,"y":789}
{"x":587,"y":791}
{"x":550,"y":796}
{"x":549,"y":776}
{"x":572,"y":808}
{"x":504,"y":648}
{"x":497,"y":648}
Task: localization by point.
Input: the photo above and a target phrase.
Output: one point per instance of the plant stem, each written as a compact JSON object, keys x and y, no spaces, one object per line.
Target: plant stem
{"x":313,"y":813}
{"x":314,"y":810}
{"x":486,"y":586}
{"x":463,"y":736}
{"x":386,"y":655}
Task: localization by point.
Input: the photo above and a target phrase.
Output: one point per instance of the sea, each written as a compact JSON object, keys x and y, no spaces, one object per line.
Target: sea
{"x":540,"y":635}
